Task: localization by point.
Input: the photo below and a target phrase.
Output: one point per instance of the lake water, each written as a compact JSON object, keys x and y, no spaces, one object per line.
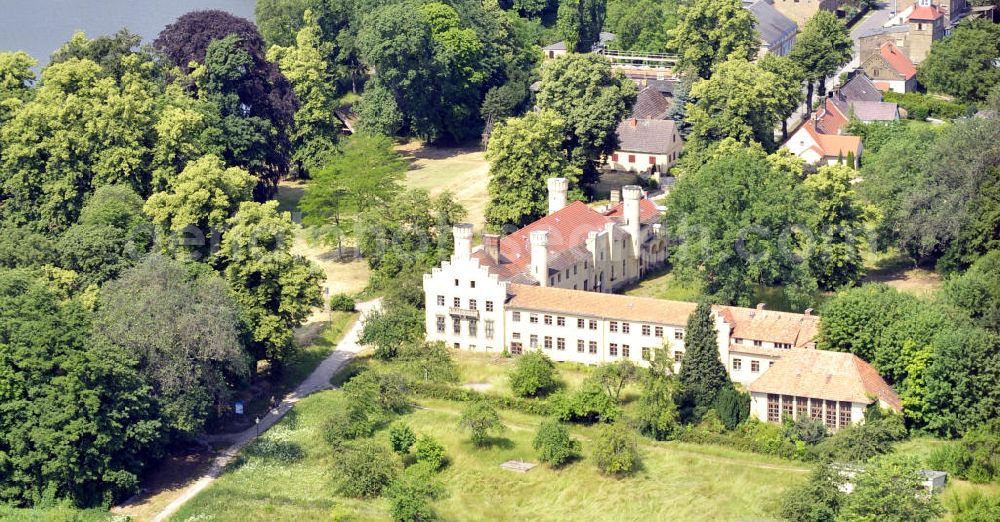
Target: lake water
{"x":39,"y":27}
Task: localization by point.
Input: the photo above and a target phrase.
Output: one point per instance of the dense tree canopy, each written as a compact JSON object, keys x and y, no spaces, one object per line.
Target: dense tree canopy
{"x":822,"y":47}
{"x":964,"y":63}
{"x":711,"y":32}
{"x":580,"y":23}
{"x":838,"y":227}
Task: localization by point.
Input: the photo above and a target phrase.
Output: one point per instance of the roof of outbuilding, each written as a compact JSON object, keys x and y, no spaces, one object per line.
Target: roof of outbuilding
{"x":925,"y":12}
{"x":897,"y":60}
{"x":770,"y":23}
{"x":650,"y":103}
{"x":795,"y":329}
{"x":646,"y":136}
{"x":874,"y":111}
{"x":558,"y":46}
{"x":599,"y":305}
{"x":860,"y":88}
{"x":822,"y":374}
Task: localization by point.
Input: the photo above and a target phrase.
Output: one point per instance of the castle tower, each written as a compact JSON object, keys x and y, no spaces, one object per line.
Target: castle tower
{"x":926,"y":25}
{"x":462,"y":233}
{"x":558,"y":189}
{"x":631,"y":194}
{"x":540,"y":256}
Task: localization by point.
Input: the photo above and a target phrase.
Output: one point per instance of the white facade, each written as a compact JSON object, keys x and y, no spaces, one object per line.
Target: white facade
{"x":770,"y":407}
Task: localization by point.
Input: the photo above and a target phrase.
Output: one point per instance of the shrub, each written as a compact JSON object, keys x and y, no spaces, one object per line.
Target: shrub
{"x":432,"y":390}
{"x":410,"y":494}
{"x":732,"y":406}
{"x":379,"y":393}
{"x":921,"y":106}
{"x":401,"y":437}
{"x":481,"y":420}
{"x":975,"y":507}
{"x":554,"y":445}
{"x":615,"y":449}
{"x":887,"y":491}
{"x":427,"y":362}
{"x":347,"y":423}
{"x":390,"y":328}
{"x":588,"y":404}
{"x":753,"y":436}
{"x":364,"y":470}
{"x":532,"y":375}
{"x":975,"y":457}
{"x":657,"y":415}
{"x":429,"y":452}
{"x":860,"y":442}
{"x":808,"y":429}
{"x":342,"y":303}
{"x":818,"y":498}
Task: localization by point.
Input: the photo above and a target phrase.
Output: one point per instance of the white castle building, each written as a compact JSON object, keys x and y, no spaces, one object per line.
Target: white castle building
{"x":526,"y":292}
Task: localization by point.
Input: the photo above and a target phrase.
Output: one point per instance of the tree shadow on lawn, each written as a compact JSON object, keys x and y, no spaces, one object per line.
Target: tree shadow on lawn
{"x":493,"y":443}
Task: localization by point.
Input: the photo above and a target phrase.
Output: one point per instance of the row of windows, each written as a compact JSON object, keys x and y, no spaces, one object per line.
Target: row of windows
{"x":656,"y":331}
{"x":833,"y":413}
{"x":758,"y":343}
{"x":754,"y":364}
{"x":489,"y":329}
{"x":583,"y":346}
{"x":457,"y":303}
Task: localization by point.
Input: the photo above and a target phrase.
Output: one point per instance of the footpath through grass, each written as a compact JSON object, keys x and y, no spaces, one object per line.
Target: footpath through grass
{"x":287,"y":476}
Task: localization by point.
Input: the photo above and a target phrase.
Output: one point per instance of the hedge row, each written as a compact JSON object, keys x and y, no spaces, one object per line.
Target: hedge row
{"x":751,"y":436}
{"x":921,"y":106}
{"x":433,"y":390}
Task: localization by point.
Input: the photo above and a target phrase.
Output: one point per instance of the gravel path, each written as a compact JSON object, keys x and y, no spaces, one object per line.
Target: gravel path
{"x":318,"y":380}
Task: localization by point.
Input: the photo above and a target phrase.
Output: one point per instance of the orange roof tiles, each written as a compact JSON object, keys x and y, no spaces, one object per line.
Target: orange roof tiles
{"x":797,"y":330}
{"x":821,"y":374}
{"x":567,"y":228}
{"x":598,"y":305}
{"x":897,"y":60}
{"x":830,"y":118}
{"x":832,"y":145}
{"x":648,"y":213}
{"x":924,"y":12}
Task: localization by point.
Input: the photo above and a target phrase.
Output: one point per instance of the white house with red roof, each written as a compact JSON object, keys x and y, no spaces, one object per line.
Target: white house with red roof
{"x":817,"y":148}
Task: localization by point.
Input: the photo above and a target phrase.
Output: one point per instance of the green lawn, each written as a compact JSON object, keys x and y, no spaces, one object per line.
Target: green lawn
{"x":292,"y":481}
{"x":461,"y":170}
{"x":56,"y":514}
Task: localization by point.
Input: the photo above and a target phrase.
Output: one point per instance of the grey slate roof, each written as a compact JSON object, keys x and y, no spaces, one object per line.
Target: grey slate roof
{"x":873,"y":110}
{"x":558,"y":46}
{"x":645,"y":136}
{"x":770,"y":23}
{"x":860,"y":88}
{"x":650,"y":104}
{"x":885,"y":30}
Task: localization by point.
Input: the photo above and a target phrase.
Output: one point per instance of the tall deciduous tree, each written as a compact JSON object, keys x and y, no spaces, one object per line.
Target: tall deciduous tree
{"x":788,"y":89}
{"x":838,"y":227}
{"x":181,"y":326}
{"x":305,"y":65}
{"x":580,"y":22}
{"x":822,"y":47}
{"x":275,"y":289}
{"x":711,"y":32}
{"x":523,"y":153}
{"x":963,"y":64}
{"x":15,"y":77}
{"x":591,"y":99}
{"x":702,"y":373}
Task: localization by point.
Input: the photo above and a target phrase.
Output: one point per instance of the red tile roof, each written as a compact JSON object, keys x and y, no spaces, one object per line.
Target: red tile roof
{"x":923,"y":12}
{"x":648,"y":213}
{"x":832,"y":145}
{"x":897,"y":60}
{"x":821,"y":374}
{"x":600,"y":305}
{"x":798,"y":330}
{"x":831,"y":120}
{"x":567,"y":228}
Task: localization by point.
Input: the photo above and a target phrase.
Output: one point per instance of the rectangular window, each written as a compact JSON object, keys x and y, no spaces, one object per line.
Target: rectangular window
{"x":625,"y":350}
{"x":548,"y":319}
{"x":631,"y":158}
{"x":489,"y":328}
{"x":772,"y":408}
{"x":845,"y":414}
{"x":472,"y":284}
{"x":533,"y":318}
{"x":456,"y":302}
{"x":737,"y":340}
{"x":456,"y":282}
{"x":645,"y":329}
{"x":613,"y":326}
{"x":560,"y":343}
{"x":592,"y":347}
{"x":784,"y":346}
{"x":593,"y":324}
{"x":801,"y":407}
{"x":533,"y":341}
{"x":472,"y":304}
{"x":624,"y":327}
{"x":579,"y":323}
{"x":580,"y":346}
{"x":489,"y":306}
{"x":658,"y":331}
{"x":548,"y":343}
{"x":515,"y":348}
{"x":679,"y":334}
{"x":515,"y":335}
{"x":440,"y":324}
{"x":737,"y":364}
{"x":440,"y":300}
{"x":755,"y":366}
{"x":678,"y":356}
{"x":758,"y":343}
{"x":831,"y":414}
{"x":613,"y":350}
{"x":816,"y":408}
{"x":787,"y":404}
{"x":456,"y":325}
{"x":473,"y":327}
{"x":560,"y":321}
{"x":647,"y":353}
{"x":515,"y":317}
{"x":614,"y":157}
{"x":652,"y":160}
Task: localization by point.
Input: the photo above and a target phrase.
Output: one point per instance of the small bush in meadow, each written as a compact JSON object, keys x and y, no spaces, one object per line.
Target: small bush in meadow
{"x":429,"y":452}
{"x":616,"y":450}
{"x":347,"y":423}
{"x":411,"y":494}
{"x":481,"y":420}
{"x":554,"y":445}
{"x":401,"y":437}
{"x":365,"y":469}
{"x":532,"y":375}
{"x":342,"y":303}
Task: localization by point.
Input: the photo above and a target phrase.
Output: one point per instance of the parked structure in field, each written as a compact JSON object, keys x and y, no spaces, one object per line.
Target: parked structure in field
{"x":777,"y":31}
{"x":470,"y":306}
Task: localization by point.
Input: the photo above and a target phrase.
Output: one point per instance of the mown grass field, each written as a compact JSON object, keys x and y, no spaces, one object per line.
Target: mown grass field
{"x":287,"y":476}
{"x":461,"y":170}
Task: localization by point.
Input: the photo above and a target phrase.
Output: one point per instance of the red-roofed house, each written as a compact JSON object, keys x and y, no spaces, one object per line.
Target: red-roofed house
{"x":890,"y":69}
{"x":817,"y":148}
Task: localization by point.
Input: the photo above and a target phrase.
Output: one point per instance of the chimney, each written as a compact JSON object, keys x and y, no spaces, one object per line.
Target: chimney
{"x":809,"y":311}
{"x":491,"y":245}
{"x":635,"y":122}
{"x":760,"y":306}
{"x":540,"y":256}
{"x":463,"y":240}
{"x":631,"y":194}
{"x":616,"y":197}
{"x":558,"y":187}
